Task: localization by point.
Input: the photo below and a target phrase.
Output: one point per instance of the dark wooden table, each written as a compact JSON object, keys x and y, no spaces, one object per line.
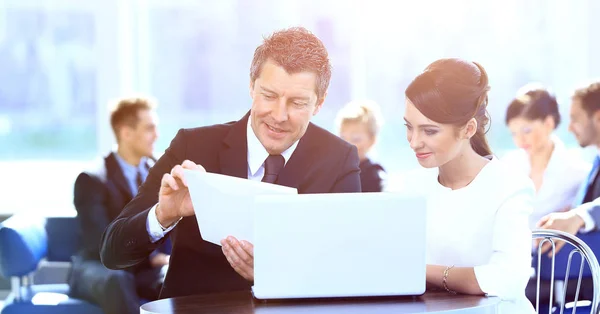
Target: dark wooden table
{"x":244,"y":303}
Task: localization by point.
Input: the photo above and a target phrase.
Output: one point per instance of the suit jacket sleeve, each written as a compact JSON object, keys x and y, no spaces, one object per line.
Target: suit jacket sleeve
{"x":595,"y":213}
{"x":590,"y":213}
{"x":348,"y":179}
{"x":89,"y":199}
{"x":126,"y":241}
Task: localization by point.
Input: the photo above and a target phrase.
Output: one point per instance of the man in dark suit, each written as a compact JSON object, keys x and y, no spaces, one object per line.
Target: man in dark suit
{"x":100,"y":195}
{"x":585,"y":125}
{"x":275,"y":142}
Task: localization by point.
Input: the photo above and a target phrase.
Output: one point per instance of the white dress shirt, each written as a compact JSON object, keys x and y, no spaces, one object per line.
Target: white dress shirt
{"x":562,"y":178}
{"x":484,"y":226}
{"x":256,"y":170}
{"x":257,"y":154}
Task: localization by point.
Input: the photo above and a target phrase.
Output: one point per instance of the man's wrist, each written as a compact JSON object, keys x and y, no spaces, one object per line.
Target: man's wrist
{"x":164,"y":222}
{"x":579,"y":221}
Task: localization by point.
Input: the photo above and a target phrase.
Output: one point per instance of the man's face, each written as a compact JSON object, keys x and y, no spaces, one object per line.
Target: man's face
{"x":582,"y":125}
{"x":282,"y":106}
{"x":140,"y":139}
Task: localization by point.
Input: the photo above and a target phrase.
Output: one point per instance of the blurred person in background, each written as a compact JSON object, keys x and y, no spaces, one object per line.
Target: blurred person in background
{"x":100,"y":195}
{"x":358,"y":124}
{"x":585,"y":125}
{"x":556,"y":173}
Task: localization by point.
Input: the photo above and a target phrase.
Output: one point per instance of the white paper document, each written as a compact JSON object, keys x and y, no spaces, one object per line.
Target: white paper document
{"x":224,"y":204}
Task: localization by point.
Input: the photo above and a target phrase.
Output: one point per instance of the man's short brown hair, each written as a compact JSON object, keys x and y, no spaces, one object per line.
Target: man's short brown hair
{"x":296,"y":50}
{"x":589,"y":96}
{"x":125,"y":112}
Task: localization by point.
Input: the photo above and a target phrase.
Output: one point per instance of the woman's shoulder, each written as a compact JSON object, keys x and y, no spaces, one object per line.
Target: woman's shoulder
{"x":503,"y":184}
{"x":516,"y":159}
{"x":415,"y":181}
{"x":514,"y":155}
{"x":571,"y":161}
{"x":506,"y":179}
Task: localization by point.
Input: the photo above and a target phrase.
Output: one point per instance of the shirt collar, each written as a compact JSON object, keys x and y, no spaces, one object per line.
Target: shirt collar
{"x":558,"y":144}
{"x":257,"y":152}
{"x":129,"y":170}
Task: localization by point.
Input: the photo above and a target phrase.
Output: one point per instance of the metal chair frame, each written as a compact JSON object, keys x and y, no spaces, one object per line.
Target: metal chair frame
{"x":586,"y":254}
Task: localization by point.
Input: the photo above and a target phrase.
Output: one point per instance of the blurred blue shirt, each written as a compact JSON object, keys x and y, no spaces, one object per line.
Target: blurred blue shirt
{"x":130,"y":172}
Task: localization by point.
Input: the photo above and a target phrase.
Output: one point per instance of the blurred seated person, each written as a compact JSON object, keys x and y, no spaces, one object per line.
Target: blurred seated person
{"x":100,"y":195}
{"x":555,"y":172}
{"x":358,"y":123}
{"x":478,"y":241}
{"x":585,"y":125}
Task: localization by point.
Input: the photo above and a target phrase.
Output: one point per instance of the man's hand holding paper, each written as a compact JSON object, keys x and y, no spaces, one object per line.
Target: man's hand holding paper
{"x":240,"y":255}
{"x":174,"y":197}
{"x":223,"y":208}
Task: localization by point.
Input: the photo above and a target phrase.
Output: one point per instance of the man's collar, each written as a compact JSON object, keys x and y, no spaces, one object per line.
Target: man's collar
{"x":257,"y":152}
{"x":129,"y":168}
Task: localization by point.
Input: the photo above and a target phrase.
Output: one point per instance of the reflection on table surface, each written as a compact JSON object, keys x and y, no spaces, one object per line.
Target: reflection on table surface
{"x":244,"y":302}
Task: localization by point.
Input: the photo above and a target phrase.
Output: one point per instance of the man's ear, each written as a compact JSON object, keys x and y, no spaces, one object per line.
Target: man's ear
{"x":596,"y":117}
{"x":251,"y":89}
{"x":319,"y":104}
{"x":125,"y":132}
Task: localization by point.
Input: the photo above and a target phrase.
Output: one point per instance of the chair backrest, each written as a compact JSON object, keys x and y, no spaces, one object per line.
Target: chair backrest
{"x":592,"y":239}
{"x":577,"y":247}
{"x":23,"y":243}
{"x":25,"y":240}
{"x":64,"y":238}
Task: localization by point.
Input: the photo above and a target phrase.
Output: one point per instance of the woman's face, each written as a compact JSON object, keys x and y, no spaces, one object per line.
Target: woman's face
{"x":434,"y":143}
{"x":358,"y":134}
{"x":531,"y":135}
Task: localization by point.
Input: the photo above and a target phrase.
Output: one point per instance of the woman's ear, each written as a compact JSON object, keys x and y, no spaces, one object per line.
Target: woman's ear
{"x":596,"y":117}
{"x":549,"y":123}
{"x":470,"y":128}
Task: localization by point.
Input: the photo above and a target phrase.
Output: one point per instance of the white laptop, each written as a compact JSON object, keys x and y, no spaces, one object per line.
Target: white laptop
{"x":339,"y":245}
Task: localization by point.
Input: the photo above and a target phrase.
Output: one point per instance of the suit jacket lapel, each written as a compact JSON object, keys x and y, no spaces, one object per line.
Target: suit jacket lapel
{"x":115,"y":174}
{"x":596,"y":192}
{"x":233,"y":158}
{"x":583,"y":189}
{"x":301,"y":160}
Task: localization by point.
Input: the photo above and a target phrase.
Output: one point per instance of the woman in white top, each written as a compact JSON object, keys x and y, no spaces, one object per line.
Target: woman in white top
{"x":556,"y":173}
{"x":478,"y":241}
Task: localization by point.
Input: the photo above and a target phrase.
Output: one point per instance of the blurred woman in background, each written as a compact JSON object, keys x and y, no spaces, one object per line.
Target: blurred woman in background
{"x":358,"y":123}
{"x":556,"y":173}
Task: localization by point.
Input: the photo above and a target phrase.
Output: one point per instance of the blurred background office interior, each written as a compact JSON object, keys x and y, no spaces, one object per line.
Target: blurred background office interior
{"x":61,"y":61}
